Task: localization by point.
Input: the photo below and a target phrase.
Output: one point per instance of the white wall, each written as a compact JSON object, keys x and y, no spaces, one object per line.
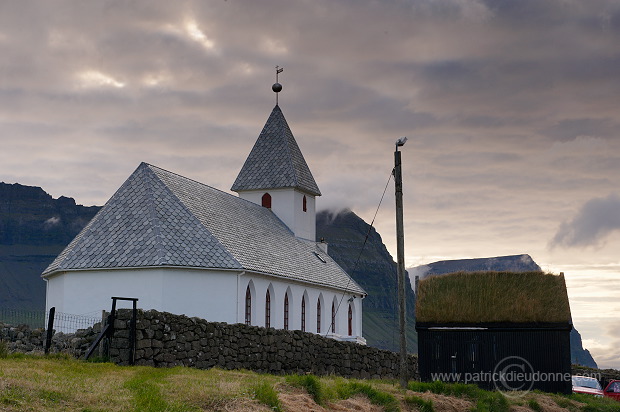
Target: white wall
{"x":217,"y":296}
{"x":287,"y":204}
{"x":202,"y":293}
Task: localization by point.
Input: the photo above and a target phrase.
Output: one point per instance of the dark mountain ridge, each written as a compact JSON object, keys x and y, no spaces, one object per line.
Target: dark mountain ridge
{"x":34,"y":228}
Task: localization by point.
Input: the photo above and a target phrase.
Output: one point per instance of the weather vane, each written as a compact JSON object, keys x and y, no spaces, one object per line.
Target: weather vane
{"x":277,"y":87}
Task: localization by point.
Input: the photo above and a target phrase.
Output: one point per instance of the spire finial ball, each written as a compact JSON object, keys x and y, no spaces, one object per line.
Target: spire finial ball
{"x":277,"y":87}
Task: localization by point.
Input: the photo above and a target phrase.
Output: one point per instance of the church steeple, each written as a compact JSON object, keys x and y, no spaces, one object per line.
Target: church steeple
{"x":276,"y":162}
{"x":276,"y":175}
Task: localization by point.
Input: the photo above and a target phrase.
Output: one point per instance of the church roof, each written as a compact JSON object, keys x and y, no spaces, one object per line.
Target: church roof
{"x":159,"y":219}
{"x":276,"y":161}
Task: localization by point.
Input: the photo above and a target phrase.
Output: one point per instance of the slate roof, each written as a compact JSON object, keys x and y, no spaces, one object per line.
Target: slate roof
{"x":276,"y":161}
{"x":158,"y":218}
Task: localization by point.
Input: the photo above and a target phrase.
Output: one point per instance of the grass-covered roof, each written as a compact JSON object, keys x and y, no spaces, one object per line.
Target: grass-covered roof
{"x":493,"y":297}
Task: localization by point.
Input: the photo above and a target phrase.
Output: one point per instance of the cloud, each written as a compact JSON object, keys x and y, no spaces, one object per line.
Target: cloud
{"x":51,"y":222}
{"x":596,"y":219}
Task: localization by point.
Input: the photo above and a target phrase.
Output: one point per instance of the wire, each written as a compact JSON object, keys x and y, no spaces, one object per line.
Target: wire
{"x":332,"y":326}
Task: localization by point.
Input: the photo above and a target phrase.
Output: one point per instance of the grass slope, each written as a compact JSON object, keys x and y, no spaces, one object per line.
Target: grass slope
{"x":30,"y":383}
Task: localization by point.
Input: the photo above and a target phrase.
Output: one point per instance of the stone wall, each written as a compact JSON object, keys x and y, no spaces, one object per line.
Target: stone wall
{"x":164,"y":339}
{"x":24,"y":339}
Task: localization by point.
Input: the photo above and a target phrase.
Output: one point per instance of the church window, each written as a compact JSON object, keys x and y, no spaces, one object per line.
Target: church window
{"x":248,"y":306}
{"x":268,"y":309}
{"x":266,"y":201}
{"x":318,"y":315}
{"x":303,"y":313}
{"x":305,"y":204}
{"x":350,"y":320}
{"x":286,"y":312}
{"x":333,"y":325}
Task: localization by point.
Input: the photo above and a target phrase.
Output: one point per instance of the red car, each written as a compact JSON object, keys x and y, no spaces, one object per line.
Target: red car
{"x":613,"y":390}
{"x":587,"y":385}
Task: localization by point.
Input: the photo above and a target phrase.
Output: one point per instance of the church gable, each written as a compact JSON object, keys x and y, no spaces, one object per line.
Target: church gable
{"x":143,"y":224}
{"x":276,"y":161}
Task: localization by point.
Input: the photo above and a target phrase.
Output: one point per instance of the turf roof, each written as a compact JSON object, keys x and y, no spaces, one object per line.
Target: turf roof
{"x":493,"y":297}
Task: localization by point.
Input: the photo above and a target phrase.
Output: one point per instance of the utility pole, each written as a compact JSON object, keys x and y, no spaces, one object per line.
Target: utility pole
{"x":400,"y":256}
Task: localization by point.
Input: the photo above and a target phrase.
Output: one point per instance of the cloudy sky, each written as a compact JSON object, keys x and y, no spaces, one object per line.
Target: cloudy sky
{"x":512,"y":109}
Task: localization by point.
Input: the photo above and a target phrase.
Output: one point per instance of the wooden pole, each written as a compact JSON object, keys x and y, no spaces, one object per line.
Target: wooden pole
{"x":400,"y":256}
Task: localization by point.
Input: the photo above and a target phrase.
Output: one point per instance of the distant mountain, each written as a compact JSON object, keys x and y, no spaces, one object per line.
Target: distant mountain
{"x":514,"y":263}
{"x":34,"y":228}
{"x":375,"y":272}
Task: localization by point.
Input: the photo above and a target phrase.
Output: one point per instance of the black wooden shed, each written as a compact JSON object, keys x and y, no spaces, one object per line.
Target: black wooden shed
{"x":499,"y":330}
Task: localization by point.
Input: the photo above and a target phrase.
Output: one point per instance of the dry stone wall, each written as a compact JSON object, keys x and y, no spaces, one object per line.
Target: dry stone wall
{"x":164,"y":339}
{"x":24,"y":339}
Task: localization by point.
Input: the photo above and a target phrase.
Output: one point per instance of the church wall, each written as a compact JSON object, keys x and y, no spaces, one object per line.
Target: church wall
{"x":201,"y":293}
{"x":278,"y":288}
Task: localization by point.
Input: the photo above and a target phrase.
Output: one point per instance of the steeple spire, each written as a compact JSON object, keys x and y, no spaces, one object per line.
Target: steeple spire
{"x":277,"y":87}
{"x":276,"y":162}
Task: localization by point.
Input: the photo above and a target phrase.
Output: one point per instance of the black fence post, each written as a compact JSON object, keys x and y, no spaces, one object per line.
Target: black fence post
{"x":132,"y":333}
{"x":50,"y":329}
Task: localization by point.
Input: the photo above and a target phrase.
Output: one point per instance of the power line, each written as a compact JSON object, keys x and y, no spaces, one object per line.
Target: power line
{"x":331,"y":327}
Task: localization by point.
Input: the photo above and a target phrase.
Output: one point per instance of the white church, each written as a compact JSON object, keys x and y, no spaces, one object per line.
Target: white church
{"x":183,"y":247}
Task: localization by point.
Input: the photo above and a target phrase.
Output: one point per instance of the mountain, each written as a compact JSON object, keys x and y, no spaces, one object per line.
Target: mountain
{"x":34,"y":228}
{"x":514,"y":263}
{"x":375,"y":272}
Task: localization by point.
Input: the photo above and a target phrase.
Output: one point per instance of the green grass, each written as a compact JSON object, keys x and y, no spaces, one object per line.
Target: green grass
{"x":534,"y":405}
{"x":485,"y":401}
{"x":349,"y":389}
{"x":311,"y":384}
{"x":39,"y":383}
{"x":493,"y":297}
{"x":419,"y":403}
{"x":265,"y":393}
{"x":596,"y":404}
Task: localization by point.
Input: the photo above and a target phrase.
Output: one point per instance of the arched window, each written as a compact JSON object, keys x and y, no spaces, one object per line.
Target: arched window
{"x":266,"y":201}
{"x":305,"y":204}
{"x":333,"y":325}
{"x":268,"y":309}
{"x":303,"y":313}
{"x":318,"y":315}
{"x":350,"y":320}
{"x":248,"y":306}
{"x":286,"y":312}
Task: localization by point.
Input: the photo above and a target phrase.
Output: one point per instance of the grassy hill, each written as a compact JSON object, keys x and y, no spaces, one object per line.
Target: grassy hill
{"x":30,"y":383}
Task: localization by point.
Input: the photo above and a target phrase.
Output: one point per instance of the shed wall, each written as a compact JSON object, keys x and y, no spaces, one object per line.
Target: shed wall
{"x":492,"y":359}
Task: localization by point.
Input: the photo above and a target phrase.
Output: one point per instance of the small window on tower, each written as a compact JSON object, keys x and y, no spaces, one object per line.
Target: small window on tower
{"x":266,"y":201}
{"x":305,"y":204}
